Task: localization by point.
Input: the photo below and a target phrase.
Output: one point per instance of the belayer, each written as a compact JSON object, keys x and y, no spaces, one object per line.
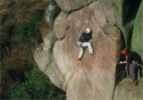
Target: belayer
{"x":83,"y":42}
{"x":131,"y":59}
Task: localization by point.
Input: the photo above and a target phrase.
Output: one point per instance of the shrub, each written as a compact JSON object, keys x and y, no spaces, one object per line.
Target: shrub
{"x":36,"y":86}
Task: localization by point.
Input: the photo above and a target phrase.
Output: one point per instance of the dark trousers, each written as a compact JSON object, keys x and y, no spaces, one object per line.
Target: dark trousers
{"x":133,"y":71}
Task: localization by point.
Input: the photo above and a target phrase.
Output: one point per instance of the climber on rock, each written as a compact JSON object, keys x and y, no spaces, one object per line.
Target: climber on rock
{"x":83,"y":42}
{"x":131,"y":59}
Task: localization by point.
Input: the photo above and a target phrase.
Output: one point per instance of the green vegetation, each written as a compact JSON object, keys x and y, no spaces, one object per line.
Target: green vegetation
{"x":36,"y":86}
{"x":29,"y":28}
{"x":20,"y":79}
{"x":137,"y":32}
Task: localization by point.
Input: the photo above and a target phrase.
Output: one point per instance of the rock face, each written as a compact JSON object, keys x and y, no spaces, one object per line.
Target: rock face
{"x":127,"y":91}
{"x":92,"y":78}
{"x":69,"y":5}
{"x":88,"y":79}
{"x":51,"y":13}
{"x":60,"y":26}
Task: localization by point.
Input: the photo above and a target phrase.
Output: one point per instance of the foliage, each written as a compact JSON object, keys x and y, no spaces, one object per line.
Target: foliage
{"x":33,"y":84}
{"x":17,"y":51}
{"x":20,"y":35}
{"x":36,"y":86}
{"x":29,"y":27}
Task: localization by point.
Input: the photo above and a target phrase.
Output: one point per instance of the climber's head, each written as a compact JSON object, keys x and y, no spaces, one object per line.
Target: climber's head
{"x":124,"y":52}
{"x":88,"y":30}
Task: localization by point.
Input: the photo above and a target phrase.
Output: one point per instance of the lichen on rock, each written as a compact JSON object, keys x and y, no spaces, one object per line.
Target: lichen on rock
{"x":51,"y":13}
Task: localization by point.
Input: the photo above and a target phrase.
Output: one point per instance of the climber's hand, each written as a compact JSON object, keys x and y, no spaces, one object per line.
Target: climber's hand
{"x":121,"y":62}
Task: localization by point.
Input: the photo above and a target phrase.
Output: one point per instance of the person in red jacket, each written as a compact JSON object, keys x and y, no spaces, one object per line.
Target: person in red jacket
{"x":131,"y":59}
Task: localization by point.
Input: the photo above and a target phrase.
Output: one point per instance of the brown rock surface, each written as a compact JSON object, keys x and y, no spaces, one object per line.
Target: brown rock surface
{"x":93,"y":76}
{"x":60,"y":26}
{"x":48,"y":66}
{"x":69,"y":5}
{"x":51,"y":13}
{"x":127,"y":91}
{"x":49,"y":41}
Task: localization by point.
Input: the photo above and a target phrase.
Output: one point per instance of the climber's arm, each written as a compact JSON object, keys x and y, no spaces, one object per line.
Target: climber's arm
{"x":124,"y":62}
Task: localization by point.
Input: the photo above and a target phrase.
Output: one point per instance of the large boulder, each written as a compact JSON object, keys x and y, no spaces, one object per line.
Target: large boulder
{"x":51,"y":13}
{"x":60,"y":26}
{"x":70,"y":5}
{"x":93,"y":76}
{"x":127,"y":91}
{"x":46,"y":63}
{"x":49,"y":41}
{"x":48,"y":66}
{"x":108,"y":9}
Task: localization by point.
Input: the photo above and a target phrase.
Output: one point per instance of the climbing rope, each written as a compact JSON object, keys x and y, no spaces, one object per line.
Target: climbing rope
{"x":138,"y":64}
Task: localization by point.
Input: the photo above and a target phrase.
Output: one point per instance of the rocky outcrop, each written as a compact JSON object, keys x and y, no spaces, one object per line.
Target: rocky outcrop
{"x":48,"y":66}
{"x":49,"y":41}
{"x":60,"y":26}
{"x":127,"y":91}
{"x":70,"y":5}
{"x":51,"y":13}
{"x":88,"y":78}
{"x":93,"y":77}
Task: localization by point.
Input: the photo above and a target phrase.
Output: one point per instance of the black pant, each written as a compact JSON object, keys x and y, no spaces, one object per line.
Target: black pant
{"x":133,"y":71}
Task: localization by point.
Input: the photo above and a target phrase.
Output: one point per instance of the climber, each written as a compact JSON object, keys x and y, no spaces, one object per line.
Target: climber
{"x":132,"y":59}
{"x":84,"y":42}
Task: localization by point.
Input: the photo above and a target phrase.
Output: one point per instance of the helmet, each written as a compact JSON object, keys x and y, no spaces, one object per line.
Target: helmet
{"x":124,"y":52}
{"x":88,"y":30}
